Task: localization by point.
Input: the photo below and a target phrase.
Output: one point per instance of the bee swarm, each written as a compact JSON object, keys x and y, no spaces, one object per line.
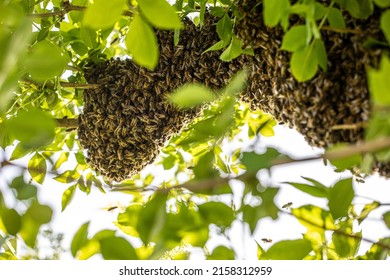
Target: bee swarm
{"x":318,"y":108}
{"x":127,"y":119}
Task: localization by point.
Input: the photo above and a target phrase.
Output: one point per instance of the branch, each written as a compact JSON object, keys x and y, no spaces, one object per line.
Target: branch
{"x":347,"y":126}
{"x":82,"y":86}
{"x":67,"y":123}
{"x":341,"y":30}
{"x":67,"y":8}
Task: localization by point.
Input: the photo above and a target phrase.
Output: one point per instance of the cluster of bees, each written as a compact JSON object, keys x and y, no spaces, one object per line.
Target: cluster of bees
{"x":331,"y":107}
{"x":127,"y":119}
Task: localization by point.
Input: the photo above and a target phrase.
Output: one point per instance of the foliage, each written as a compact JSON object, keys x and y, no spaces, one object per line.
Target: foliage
{"x":44,"y":46}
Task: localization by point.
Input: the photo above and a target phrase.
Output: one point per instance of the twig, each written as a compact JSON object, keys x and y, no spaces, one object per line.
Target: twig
{"x":348,"y":126}
{"x":81,"y":86}
{"x":67,"y":8}
{"x":67,"y":123}
{"x":340,"y":30}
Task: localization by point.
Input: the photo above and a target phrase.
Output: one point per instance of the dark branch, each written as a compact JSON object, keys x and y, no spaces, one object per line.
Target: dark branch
{"x":67,"y":123}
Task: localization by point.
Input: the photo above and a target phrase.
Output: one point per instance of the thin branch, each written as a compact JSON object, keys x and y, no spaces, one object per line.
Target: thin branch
{"x":348,"y":126}
{"x":341,"y":30}
{"x":81,"y":86}
{"x":67,"y":123}
{"x":67,"y":8}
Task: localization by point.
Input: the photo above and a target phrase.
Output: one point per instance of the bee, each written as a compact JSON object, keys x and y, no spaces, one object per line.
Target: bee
{"x":266,"y":240}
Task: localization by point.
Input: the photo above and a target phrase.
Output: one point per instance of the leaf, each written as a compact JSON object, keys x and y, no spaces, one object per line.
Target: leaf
{"x":254,"y":162}
{"x":160,"y":13}
{"x":379,"y":83}
{"x":68,"y":176}
{"x":224,"y":28}
{"x":288,"y":250}
{"x":295,"y":38}
{"x":347,"y":162}
{"x":217,"y":213}
{"x":382,"y":3}
{"x":346,"y":246}
{"x":314,"y":218}
{"x":41,"y":214}
{"x":237,"y":83}
{"x":37,"y":168}
{"x":385,"y":24}
{"x":141,"y":41}
{"x":117,"y":248}
{"x":233,"y":50}
{"x":217,"y":46}
{"x":24,"y":191}
{"x":221,"y":253}
{"x":33,"y":128}
{"x":340,"y":198}
{"x":311,"y":189}
{"x":320,"y":52}
{"x":62,"y":158}
{"x":152,"y":218}
{"x":11,"y":221}
{"x":19,"y":151}
{"x":386,"y":218}
{"x":275,"y":11}
{"x":102,"y":14}
{"x":336,"y":18}
{"x":304,"y":63}
{"x":361,"y":9}
{"x":79,"y":239}
{"x":67,"y":196}
{"x":367,"y":209}
{"x":89,"y":36}
{"x":191,"y":95}
{"x":45,"y":61}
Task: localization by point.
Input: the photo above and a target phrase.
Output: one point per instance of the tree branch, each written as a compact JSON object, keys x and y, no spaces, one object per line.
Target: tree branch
{"x":67,"y":123}
{"x":67,"y":8}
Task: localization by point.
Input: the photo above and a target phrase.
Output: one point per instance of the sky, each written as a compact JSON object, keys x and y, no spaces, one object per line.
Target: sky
{"x":93,"y":207}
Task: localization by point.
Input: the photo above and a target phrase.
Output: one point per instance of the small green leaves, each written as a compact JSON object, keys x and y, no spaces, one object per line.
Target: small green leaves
{"x":336,"y":18}
{"x":11,"y":221}
{"x":254,"y":162}
{"x":379,"y":83}
{"x":32,"y":128}
{"x":275,"y":11}
{"x":221,"y":253}
{"x":217,"y":213}
{"x":360,"y":8}
{"x":117,"y":248}
{"x":141,"y":41}
{"x":160,"y":13}
{"x":385,"y":24}
{"x":224,"y":28}
{"x":314,"y":189}
{"x":38,"y":64}
{"x":37,"y":168}
{"x":288,"y":250}
{"x":382,"y":3}
{"x":304,"y":63}
{"x":67,"y":196}
{"x":386,"y":219}
{"x":233,"y":50}
{"x":23,"y":190}
{"x":191,"y":95}
{"x":295,"y":38}
{"x":340,"y":198}
{"x":103,"y":14}
{"x":79,"y":239}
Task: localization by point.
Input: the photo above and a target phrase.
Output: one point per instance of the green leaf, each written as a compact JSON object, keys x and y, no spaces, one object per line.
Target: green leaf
{"x":204,"y":167}
{"x":346,"y":246}
{"x":141,"y":41}
{"x":315,"y":189}
{"x":385,"y":24}
{"x":62,"y":158}
{"x":288,"y":250}
{"x":152,"y":218}
{"x":382,"y":3}
{"x":255,"y":162}
{"x":314,"y":218}
{"x":102,"y":14}
{"x":304,"y":63}
{"x":160,"y":13}
{"x":367,"y":209}
{"x":217,"y":46}
{"x":379,"y":83}
{"x":340,"y":198}
{"x":275,"y":11}
{"x":320,"y":52}
{"x":68,"y":176}
{"x":191,"y":95}
{"x":386,"y":218}
{"x":117,"y":248}
{"x":33,"y":128}
{"x":233,"y":50}
{"x":19,"y":151}
{"x":67,"y":196}
{"x":336,"y":18}
{"x":24,"y":191}
{"x":41,"y":214}
{"x":37,"y":168}
{"x":224,"y":28}
{"x":45,"y":61}
{"x":89,"y":36}
{"x":11,"y":221}
{"x":347,"y":162}
{"x":360,"y":8}
{"x":79,"y":239}
{"x":295,"y":38}
{"x":237,"y":83}
{"x":217,"y":213}
{"x":221,"y":253}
